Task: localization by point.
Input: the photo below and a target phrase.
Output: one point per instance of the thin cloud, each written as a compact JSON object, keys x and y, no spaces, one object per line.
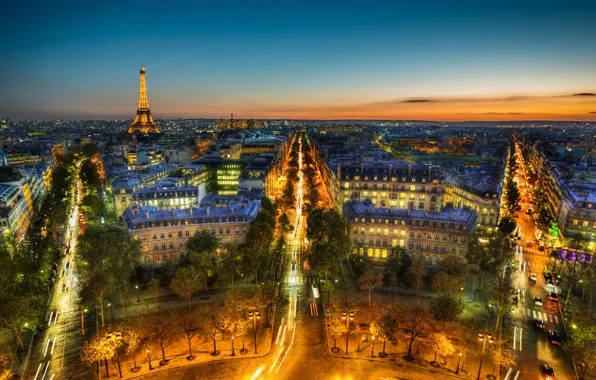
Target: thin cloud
{"x":418,"y":101}
{"x":593,"y":112}
{"x":585,"y":94}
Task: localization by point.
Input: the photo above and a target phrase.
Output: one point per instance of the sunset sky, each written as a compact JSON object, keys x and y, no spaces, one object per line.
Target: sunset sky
{"x":431,"y":60}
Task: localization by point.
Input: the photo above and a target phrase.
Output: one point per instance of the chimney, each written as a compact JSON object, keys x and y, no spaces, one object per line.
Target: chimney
{"x":147,"y":214}
{"x":208,"y":210}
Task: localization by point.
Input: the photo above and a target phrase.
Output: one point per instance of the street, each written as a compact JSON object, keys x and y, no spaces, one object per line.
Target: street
{"x":531,"y":343}
{"x":56,"y":350}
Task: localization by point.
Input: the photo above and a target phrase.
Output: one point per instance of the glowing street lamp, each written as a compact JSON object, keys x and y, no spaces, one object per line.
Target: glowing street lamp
{"x":149,"y":359}
{"x":254,"y":314}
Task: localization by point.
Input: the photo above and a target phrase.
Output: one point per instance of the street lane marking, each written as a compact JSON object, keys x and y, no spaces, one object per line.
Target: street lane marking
{"x":508,"y":373}
{"x":556,"y":320}
{"x":38,"y":368}
{"x":514,"y":337}
{"x":53,"y":345}
{"x":45,"y":371}
{"x":521,"y":329}
{"x":516,"y":375}
{"x":47,"y":345}
{"x":534,"y":311}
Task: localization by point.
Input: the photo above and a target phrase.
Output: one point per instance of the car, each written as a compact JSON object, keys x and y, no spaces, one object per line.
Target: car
{"x":554,"y":338}
{"x":532,"y":277}
{"x":539,"y":323}
{"x":553,"y":296}
{"x":541,"y":248}
{"x":547,"y":275}
{"x":529,"y":243}
{"x":547,"y":372}
{"x":538,"y":301}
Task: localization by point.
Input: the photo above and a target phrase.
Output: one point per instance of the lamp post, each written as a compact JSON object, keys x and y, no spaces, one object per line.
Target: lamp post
{"x":232,"y":345}
{"x":483,"y":337}
{"x":149,"y":359}
{"x":254,"y":314}
{"x":458,"y":361}
{"x":242,"y":277}
{"x":348,"y":319}
{"x":137,"y":288}
{"x":118,"y":338}
{"x":372,"y":349}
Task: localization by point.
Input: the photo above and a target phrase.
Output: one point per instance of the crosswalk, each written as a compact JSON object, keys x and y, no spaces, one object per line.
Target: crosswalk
{"x":528,"y":266}
{"x":534,"y":250}
{"x":535,"y":314}
{"x":302,"y":280}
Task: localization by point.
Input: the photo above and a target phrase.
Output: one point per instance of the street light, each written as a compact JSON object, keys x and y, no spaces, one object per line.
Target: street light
{"x":483,"y":337}
{"x":149,"y":359}
{"x":137,"y":288}
{"x":458,"y":361}
{"x":254,"y":314}
{"x":372,"y":348}
{"x":348,"y":319}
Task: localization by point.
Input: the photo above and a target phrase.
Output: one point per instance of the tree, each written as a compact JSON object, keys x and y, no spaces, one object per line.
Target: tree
{"x":489,"y":250}
{"x":204,"y":265}
{"x":202,"y":242}
{"x":92,"y":204}
{"x":328,"y":288}
{"x":153,"y":288}
{"x":415,"y":321}
{"x":186,"y":322}
{"x":507,"y":226}
{"x":186,"y":283}
{"x":100,"y":347}
{"x":502,"y":357}
{"x":418,"y":271}
{"x":132,"y":338}
{"x":580,"y":341}
{"x":284,"y":223}
{"x":500,"y":296}
{"x":161,"y":332}
{"x":369,"y":281}
{"x":336,"y":329}
{"x":446,"y":308}
{"x":236,"y":326}
{"x":268,"y":297}
{"x":6,"y":367}
{"x":229,"y":262}
{"x":441,"y":345}
{"x":386,"y":325}
{"x":89,"y":174}
{"x":212,"y":323}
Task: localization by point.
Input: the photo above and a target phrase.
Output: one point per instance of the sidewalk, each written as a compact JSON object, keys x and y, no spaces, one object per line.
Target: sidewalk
{"x":361,"y":345}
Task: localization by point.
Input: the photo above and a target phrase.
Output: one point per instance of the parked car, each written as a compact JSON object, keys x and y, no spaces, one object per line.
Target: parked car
{"x":553,"y":296}
{"x":532,"y":277}
{"x":548,"y":372}
{"x":554,"y":338}
{"x":538,"y":301}
{"x":539,"y":323}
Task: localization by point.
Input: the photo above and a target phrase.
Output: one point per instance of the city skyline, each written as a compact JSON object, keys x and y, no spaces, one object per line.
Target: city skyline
{"x":439,"y":62}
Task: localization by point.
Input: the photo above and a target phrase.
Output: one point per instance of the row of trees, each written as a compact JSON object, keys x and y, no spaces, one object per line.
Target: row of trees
{"x":326,"y":231}
{"x":288,"y":198}
{"x":207,"y":322}
{"x":312,"y":185}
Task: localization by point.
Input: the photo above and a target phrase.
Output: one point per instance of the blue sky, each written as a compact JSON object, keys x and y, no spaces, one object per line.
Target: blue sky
{"x":303,"y":59}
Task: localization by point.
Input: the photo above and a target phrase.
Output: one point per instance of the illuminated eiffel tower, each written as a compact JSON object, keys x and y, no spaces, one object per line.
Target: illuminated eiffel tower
{"x":143,"y":121}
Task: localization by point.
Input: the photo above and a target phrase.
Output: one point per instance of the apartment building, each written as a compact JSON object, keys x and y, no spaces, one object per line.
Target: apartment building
{"x":374,"y":231}
{"x":163,"y":233}
{"x":400,"y":186}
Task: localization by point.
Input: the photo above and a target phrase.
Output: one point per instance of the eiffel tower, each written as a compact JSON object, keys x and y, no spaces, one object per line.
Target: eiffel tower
{"x":143,"y":121}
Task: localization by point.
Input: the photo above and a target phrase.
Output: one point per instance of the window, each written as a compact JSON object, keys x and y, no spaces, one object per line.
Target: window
{"x":461,"y":250}
{"x":575,"y":222}
{"x":154,"y":236}
{"x":179,"y":233}
{"x":428,"y":246}
{"x":411,"y":244}
{"x":384,"y":253}
{"x":187,"y":233}
{"x":377,"y":252}
{"x":585,"y":224}
{"x":155,"y":246}
{"x":436,"y":247}
{"x":370,"y":252}
{"x":181,"y":245}
{"x":453,"y":249}
{"x":411,"y":233}
{"x":394,"y":242}
{"x":163,"y":245}
{"x":163,"y":236}
{"x":171,"y":245}
{"x":385,"y":231}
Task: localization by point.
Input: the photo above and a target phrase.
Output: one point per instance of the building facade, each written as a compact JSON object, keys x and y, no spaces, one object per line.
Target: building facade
{"x":163,"y":233}
{"x":374,"y":231}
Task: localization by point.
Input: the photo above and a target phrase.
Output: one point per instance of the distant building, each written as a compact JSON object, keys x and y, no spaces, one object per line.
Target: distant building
{"x":164,"y":196}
